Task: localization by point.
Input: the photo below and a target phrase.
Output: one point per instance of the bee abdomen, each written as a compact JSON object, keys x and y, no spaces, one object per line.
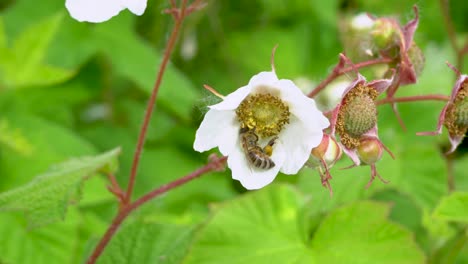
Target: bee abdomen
{"x":261,"y":160}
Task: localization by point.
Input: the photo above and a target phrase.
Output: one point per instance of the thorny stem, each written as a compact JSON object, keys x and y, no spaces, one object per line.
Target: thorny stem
{"x":179,"y":18}
{"x":433,"y":97}
{"x":339,"y":70}
{"x":214,"y":165}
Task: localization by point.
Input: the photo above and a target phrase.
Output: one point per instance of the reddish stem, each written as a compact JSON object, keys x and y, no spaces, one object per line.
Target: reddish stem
{"x":434,"y":97}
{"x":179,"y":18}
{"x":214,"y":165}
{"x":339,"y":70}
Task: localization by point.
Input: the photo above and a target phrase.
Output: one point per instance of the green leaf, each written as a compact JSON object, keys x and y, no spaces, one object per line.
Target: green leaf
{"x":453,"y":207}
{"x":13,"y":139}
{"x":260,"y":227}
{"x":52,"y":244}
{"x":22,"y":64}
{"x":361,"y":233}
{"x":147,"y":241}
{"x":50,"y":143}
{"x":267,"y":227}
{"x":46,"y":198}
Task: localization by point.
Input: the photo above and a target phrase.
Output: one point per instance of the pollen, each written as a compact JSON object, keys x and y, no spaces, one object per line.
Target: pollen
{"x":357,"y":115}
{"x":265,"y":113}
{"x":456,"y":116}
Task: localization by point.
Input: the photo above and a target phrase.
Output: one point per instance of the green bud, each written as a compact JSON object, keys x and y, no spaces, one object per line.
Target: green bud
{"x":328,"y":151}
{"x":369,"y":150}
{"x":384,"y":34}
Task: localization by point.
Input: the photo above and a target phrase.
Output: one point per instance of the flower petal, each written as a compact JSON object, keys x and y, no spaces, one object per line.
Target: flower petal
{"x":94,"y":10}
{"x":263,"y":78}
{"x":298,"y":140}
{"x":302,"y":107}
{"x":137,"y":7}
{"x":233,"y":100}
{"x":250,"y":177}
{"x":218,"y":129}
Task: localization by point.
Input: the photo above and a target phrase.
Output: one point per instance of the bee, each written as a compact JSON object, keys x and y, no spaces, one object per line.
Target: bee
{"x":257,"y":156}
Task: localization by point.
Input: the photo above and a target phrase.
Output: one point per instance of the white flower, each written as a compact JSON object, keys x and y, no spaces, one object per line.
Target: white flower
{"x":279,"y":109}
{"x":102,"y":10}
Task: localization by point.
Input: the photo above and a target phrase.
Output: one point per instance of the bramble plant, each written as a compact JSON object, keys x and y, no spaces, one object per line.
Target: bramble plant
{"x":72,"y":94}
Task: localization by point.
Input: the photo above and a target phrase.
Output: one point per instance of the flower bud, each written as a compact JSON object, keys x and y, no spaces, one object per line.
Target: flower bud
{"x":356,"y":37}
{"x":369,"y":150}
{"x":328,"y":151}
{"x":384,"y":35}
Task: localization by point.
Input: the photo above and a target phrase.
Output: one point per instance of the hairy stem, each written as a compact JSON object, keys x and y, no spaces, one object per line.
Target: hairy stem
{"x":179,"y":18}
{"x":429,"y":97}
{"x":125,"y":211}
{"x":339,"y":70}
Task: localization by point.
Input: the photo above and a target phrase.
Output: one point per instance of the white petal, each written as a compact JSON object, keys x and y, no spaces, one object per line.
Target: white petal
{"x":263,"y":78}
{"x":218,"y":129}
{"x":301,"y":106}
{"x":137,"y":7}
{"x":298,"y":141}
{"x":250,"y":177}
{"x":233,"y":100}
{"x":94,"y":10}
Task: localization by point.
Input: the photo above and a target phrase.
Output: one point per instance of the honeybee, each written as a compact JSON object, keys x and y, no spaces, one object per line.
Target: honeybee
{"x":257,"y":156}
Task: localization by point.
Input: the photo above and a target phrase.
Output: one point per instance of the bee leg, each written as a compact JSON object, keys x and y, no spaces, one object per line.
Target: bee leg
{"x":268,"y":149}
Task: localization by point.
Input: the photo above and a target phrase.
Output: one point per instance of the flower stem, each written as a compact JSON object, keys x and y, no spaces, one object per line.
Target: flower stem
{"x":340,"y":70}
{"x":179,"y":18}
{"x":125,"y":205}
{"x":127,"y":209}
{"x":449,"y":159}
{"x":434,"y":97}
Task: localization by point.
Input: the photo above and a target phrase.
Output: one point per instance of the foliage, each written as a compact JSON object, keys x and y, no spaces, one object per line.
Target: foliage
{"x":70,"y":92}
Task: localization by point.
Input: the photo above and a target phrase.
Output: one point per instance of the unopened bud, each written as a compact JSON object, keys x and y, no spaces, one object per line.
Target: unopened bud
{"x":328,"y":151}
{"x":370,"y":150}
{"x":384,"y":34}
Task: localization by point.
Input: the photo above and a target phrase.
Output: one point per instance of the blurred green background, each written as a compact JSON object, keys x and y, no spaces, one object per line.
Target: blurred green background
{"x":70,"y":89}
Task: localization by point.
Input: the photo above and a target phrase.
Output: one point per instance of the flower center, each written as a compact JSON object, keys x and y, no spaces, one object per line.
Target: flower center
{"x":357,"y":115}
{"x":264,"y":112}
